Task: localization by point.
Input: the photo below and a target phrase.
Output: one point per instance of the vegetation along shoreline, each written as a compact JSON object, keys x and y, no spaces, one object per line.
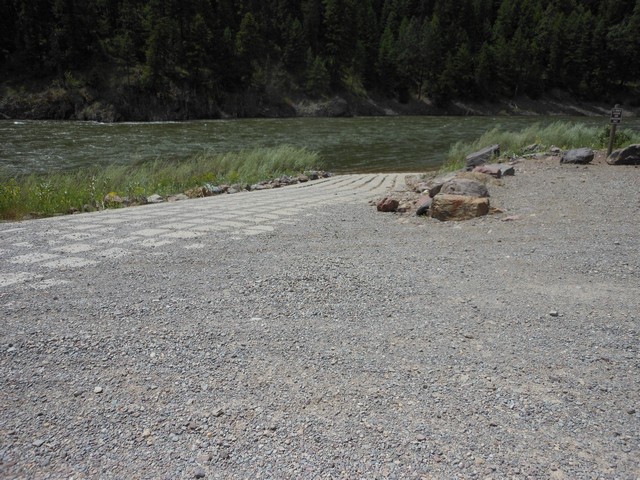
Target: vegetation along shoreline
{"x":116,"y":186}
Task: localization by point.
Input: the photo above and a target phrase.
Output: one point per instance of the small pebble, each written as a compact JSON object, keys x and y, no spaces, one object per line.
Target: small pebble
{"x":553,"y":313}
{"x":205,"y":458}
{"x":146,"y":433}
{"x":199,"y":473}
{"x":38,"y":443}
{"x":97,"y":390}
{"x":217,"y":412}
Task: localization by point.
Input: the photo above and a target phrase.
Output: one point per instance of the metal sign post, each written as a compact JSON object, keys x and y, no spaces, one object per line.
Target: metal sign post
{"x":616,"y":118}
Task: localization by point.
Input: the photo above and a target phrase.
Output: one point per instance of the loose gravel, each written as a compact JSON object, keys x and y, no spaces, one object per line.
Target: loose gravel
{"x":344,"y":344}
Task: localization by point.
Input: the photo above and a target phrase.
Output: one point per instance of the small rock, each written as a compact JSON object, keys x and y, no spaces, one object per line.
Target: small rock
{"x":631,"y":411}
{"x":112,"y":198}
{"x":146,"y":433}
{"x":98,"y":390}
{"x":11,"y":349}
{"x":553,"y":313}
{"x":178,"y":198}
{"x":38,"y":443}
{"x":423,"y":205}
{"x":78,"y":393}
{"x":492,"y":170}
{"x":155,"y":198}
{"x":199,"y":473}
{"x":421,"y":438}
{"x":506,"y":170}
{"x":205,"y":458}
{"x":388,"y":205}
{"x":217,"y":412}
{"x":421,"y":187}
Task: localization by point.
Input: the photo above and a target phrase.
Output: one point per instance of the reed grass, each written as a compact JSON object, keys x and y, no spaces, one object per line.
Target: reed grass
{"x":84,"y":189}
{"x":560,"y":134}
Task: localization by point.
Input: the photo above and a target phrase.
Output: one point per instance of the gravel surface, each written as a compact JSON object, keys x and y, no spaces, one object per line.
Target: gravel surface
{"x":328,"y":340}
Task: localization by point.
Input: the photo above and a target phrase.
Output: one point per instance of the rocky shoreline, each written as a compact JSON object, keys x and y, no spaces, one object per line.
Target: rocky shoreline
{"x":464,"y":194}
{"x":112,"y":200}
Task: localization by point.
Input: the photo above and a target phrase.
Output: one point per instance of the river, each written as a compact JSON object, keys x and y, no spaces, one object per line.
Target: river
{"x":347,"y":145}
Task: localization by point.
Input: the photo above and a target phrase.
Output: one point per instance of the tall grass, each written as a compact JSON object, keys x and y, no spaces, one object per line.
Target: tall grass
{"x":560,"y":134}
{"x":85,"y":189}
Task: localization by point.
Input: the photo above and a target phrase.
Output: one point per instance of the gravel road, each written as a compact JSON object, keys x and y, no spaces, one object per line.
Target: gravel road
{"x":297,"y":333}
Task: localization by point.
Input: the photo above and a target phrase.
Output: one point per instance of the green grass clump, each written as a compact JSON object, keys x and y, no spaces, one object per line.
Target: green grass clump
{"x":560,"y":134}
{"x":40,"y":195}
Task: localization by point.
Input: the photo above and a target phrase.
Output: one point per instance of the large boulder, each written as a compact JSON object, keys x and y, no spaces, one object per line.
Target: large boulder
{"x":465,"y":187}
{"x":458,"y":207}
{"x":625,"y":156}
{"x":482,"y":156}
{"x":434,"y":185}
{"x":580,"y":156}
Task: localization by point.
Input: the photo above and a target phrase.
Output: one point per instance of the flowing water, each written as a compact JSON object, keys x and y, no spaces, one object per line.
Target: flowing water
{"x":347,"y":145}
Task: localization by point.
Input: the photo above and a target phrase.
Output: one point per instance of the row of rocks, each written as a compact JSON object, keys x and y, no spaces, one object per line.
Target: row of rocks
{"x":624,"y":156}
{"x":113,"y":200}
{"x":460,"y":195}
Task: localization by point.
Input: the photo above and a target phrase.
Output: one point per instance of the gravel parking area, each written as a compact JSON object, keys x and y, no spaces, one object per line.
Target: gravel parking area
{"x":298,"y":334}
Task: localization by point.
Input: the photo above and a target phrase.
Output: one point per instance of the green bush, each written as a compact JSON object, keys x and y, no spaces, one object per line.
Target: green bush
{"x":623,"y":138}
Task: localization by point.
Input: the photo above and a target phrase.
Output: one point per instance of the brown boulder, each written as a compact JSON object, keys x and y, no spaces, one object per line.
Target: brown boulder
{"x":458,"y":207}
{"x":388,"y":205}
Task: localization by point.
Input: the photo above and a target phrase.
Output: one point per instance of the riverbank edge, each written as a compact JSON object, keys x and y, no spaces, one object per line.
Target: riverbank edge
{"x":82,"y":104}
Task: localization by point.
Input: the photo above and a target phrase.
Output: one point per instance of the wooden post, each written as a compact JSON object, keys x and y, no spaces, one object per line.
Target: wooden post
{"x":612,"y":139}
{"x":616,"y":118}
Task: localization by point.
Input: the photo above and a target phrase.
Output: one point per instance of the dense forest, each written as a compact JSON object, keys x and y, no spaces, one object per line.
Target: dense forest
{"x":192,"y":53}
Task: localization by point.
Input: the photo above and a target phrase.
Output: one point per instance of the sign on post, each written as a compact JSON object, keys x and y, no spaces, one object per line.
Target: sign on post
{"x":616,"y":115}
{"x":616,"y":118}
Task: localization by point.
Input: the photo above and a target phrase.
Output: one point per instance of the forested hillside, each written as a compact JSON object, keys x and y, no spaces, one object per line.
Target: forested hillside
{"x":202,"y":55}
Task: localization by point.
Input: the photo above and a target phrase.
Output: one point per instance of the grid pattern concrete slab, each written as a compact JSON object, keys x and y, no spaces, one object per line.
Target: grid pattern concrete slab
{"x":37,"y":253}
